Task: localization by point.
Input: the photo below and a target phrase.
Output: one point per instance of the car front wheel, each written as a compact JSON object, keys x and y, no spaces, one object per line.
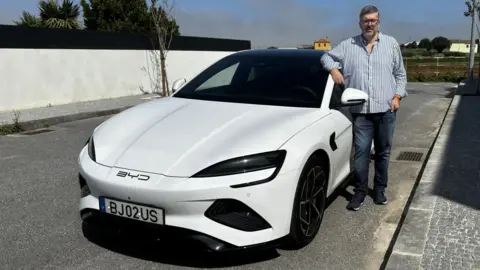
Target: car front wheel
{"x":309,"y":204}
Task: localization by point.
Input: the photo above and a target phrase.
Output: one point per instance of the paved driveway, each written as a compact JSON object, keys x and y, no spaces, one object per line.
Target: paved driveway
{"x":40,"y":227}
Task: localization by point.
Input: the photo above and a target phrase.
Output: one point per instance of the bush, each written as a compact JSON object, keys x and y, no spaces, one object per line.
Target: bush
{"x":428,"y":53}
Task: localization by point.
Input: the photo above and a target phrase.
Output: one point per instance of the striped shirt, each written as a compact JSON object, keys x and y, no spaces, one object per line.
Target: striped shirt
{"x":380,"y":74}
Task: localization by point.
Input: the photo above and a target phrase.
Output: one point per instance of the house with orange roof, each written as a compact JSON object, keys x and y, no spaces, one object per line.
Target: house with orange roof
{"x":322,"y":44}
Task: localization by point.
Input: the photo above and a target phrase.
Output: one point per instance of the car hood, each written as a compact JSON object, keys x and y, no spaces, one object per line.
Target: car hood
{"x":179,"y":137}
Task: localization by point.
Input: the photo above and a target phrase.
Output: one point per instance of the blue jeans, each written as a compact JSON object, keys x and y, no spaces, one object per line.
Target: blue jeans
{"x":380,"y":128}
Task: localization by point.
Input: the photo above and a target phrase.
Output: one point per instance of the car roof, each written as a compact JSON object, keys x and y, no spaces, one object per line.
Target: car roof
{"x":281,"y":52}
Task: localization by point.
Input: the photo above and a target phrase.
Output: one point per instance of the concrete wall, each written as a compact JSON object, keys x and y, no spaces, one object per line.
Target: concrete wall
{"x":44,"y":66}
{"x":39,"y":77}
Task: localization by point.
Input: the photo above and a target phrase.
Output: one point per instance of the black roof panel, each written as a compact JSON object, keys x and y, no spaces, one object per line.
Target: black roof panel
{"x":282,"y":52}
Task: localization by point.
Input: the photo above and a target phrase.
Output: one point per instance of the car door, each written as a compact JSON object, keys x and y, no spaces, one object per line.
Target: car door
{"x":342,"y":138}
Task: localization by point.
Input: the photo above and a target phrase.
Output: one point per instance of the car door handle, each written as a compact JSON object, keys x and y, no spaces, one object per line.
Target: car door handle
{"x":333,"y":144}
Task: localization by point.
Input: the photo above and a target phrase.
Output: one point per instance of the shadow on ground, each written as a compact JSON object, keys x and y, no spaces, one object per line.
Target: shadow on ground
{"x":458,"y":180}
{"x":170,"y":253}
{"x":449,"y":92}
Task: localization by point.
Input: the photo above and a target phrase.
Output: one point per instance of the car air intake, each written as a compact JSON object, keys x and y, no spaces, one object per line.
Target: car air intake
{"x":84,"y":189}
{"x":235,"y":214}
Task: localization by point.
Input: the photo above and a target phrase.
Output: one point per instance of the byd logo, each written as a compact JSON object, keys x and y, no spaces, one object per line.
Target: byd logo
{"x":142,"y":177}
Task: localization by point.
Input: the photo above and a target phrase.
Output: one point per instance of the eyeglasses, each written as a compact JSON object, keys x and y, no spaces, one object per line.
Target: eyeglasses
{"x":371,"y":21}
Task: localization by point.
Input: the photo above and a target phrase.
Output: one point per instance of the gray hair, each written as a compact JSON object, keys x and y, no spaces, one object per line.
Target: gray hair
{"x":369,"y":10}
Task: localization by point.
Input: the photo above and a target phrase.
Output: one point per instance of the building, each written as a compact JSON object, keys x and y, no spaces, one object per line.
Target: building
{"x":413,"y":44}
{"x":462,"y":46}
{"x":305,"y":47}
{"x":322,"y":44}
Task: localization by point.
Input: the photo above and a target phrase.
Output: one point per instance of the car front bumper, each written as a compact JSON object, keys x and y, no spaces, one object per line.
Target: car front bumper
{"x":207,"y":210}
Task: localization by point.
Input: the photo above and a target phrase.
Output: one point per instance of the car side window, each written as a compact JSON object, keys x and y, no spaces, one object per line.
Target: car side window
{"x":337,"y":92}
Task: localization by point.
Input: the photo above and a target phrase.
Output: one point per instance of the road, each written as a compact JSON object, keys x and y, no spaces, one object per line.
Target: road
{"x":40,"y":227}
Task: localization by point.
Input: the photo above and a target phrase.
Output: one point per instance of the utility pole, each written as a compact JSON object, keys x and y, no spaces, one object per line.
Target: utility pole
{"x":472,"y":40}
{"x":475,"y":16}
{"x":478,"y":49}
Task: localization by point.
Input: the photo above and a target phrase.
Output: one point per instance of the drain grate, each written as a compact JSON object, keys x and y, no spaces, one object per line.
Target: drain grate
{"x":410,"y":156}
{"x":37,"y":131}
{"x":412,"y":91}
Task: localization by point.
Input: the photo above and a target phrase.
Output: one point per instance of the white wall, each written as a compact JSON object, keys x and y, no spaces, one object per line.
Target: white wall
{"x":38,"y":77}
{"x":461,"y":47}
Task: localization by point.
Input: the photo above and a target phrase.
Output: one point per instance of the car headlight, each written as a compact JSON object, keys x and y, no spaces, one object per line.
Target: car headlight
{"x":91,"y":148}
{"x":245,"y":164}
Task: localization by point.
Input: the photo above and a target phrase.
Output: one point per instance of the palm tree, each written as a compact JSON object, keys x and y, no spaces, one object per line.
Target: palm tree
{"x":29,"y":20}
{"x":54,"y":15}
{"x":469,"y":11}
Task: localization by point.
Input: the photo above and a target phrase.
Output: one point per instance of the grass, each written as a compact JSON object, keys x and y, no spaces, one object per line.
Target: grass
{"x":12,"y":128}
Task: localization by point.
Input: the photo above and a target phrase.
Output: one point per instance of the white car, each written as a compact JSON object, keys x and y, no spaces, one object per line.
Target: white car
{"x":244,"y":154}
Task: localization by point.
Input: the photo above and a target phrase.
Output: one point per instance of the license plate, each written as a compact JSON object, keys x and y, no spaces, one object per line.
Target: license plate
{"x":132,"y":211}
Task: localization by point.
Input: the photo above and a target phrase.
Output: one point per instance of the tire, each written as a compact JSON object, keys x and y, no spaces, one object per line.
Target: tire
{"x":302,"y":234}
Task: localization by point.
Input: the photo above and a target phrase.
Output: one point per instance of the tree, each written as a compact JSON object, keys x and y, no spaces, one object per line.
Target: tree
{"x":28,"y":20}
{"x":164,"y":27}
{"x":469,"y":11}
{"x":116,"y":15}
{"x":53,"y":15}
{"x":440,"y":43}
{"x":425,"y":44}
{"x":153,"y":19}
{"x":120,"y":16}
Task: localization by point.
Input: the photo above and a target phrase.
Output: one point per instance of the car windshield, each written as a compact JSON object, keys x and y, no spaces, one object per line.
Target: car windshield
{"x":293,"y":80}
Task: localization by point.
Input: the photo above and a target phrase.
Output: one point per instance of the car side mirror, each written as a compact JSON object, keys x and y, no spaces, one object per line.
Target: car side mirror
{"x":178,"y":84}
{"x":353,"y":97}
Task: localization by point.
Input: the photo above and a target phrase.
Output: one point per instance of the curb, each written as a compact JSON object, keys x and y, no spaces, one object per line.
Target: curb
{"x":408,"y":242}
{"x":46,"y":122}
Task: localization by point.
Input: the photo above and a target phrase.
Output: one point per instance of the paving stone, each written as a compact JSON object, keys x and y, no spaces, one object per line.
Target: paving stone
{"x":451,"y":186}
{"x":400,"y":261}
{"x":431,"y":172}
{"x":423,"y":198}
{"x":453,"y":236}
{"x":73,"y":109}
{"x":413,"y":235}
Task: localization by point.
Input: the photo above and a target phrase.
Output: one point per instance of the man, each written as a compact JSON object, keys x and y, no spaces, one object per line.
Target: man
{"x":371,"y":62}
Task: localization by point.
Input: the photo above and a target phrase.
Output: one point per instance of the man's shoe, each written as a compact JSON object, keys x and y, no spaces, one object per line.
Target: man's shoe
{"x":380,"y":197}
{"x":356,"y":201}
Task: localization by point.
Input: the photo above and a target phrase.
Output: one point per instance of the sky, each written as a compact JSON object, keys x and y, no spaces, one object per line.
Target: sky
{"x":288,"y":23}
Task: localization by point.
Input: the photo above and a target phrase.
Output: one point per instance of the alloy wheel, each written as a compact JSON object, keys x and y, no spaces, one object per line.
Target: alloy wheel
{"x":312,"y":201}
